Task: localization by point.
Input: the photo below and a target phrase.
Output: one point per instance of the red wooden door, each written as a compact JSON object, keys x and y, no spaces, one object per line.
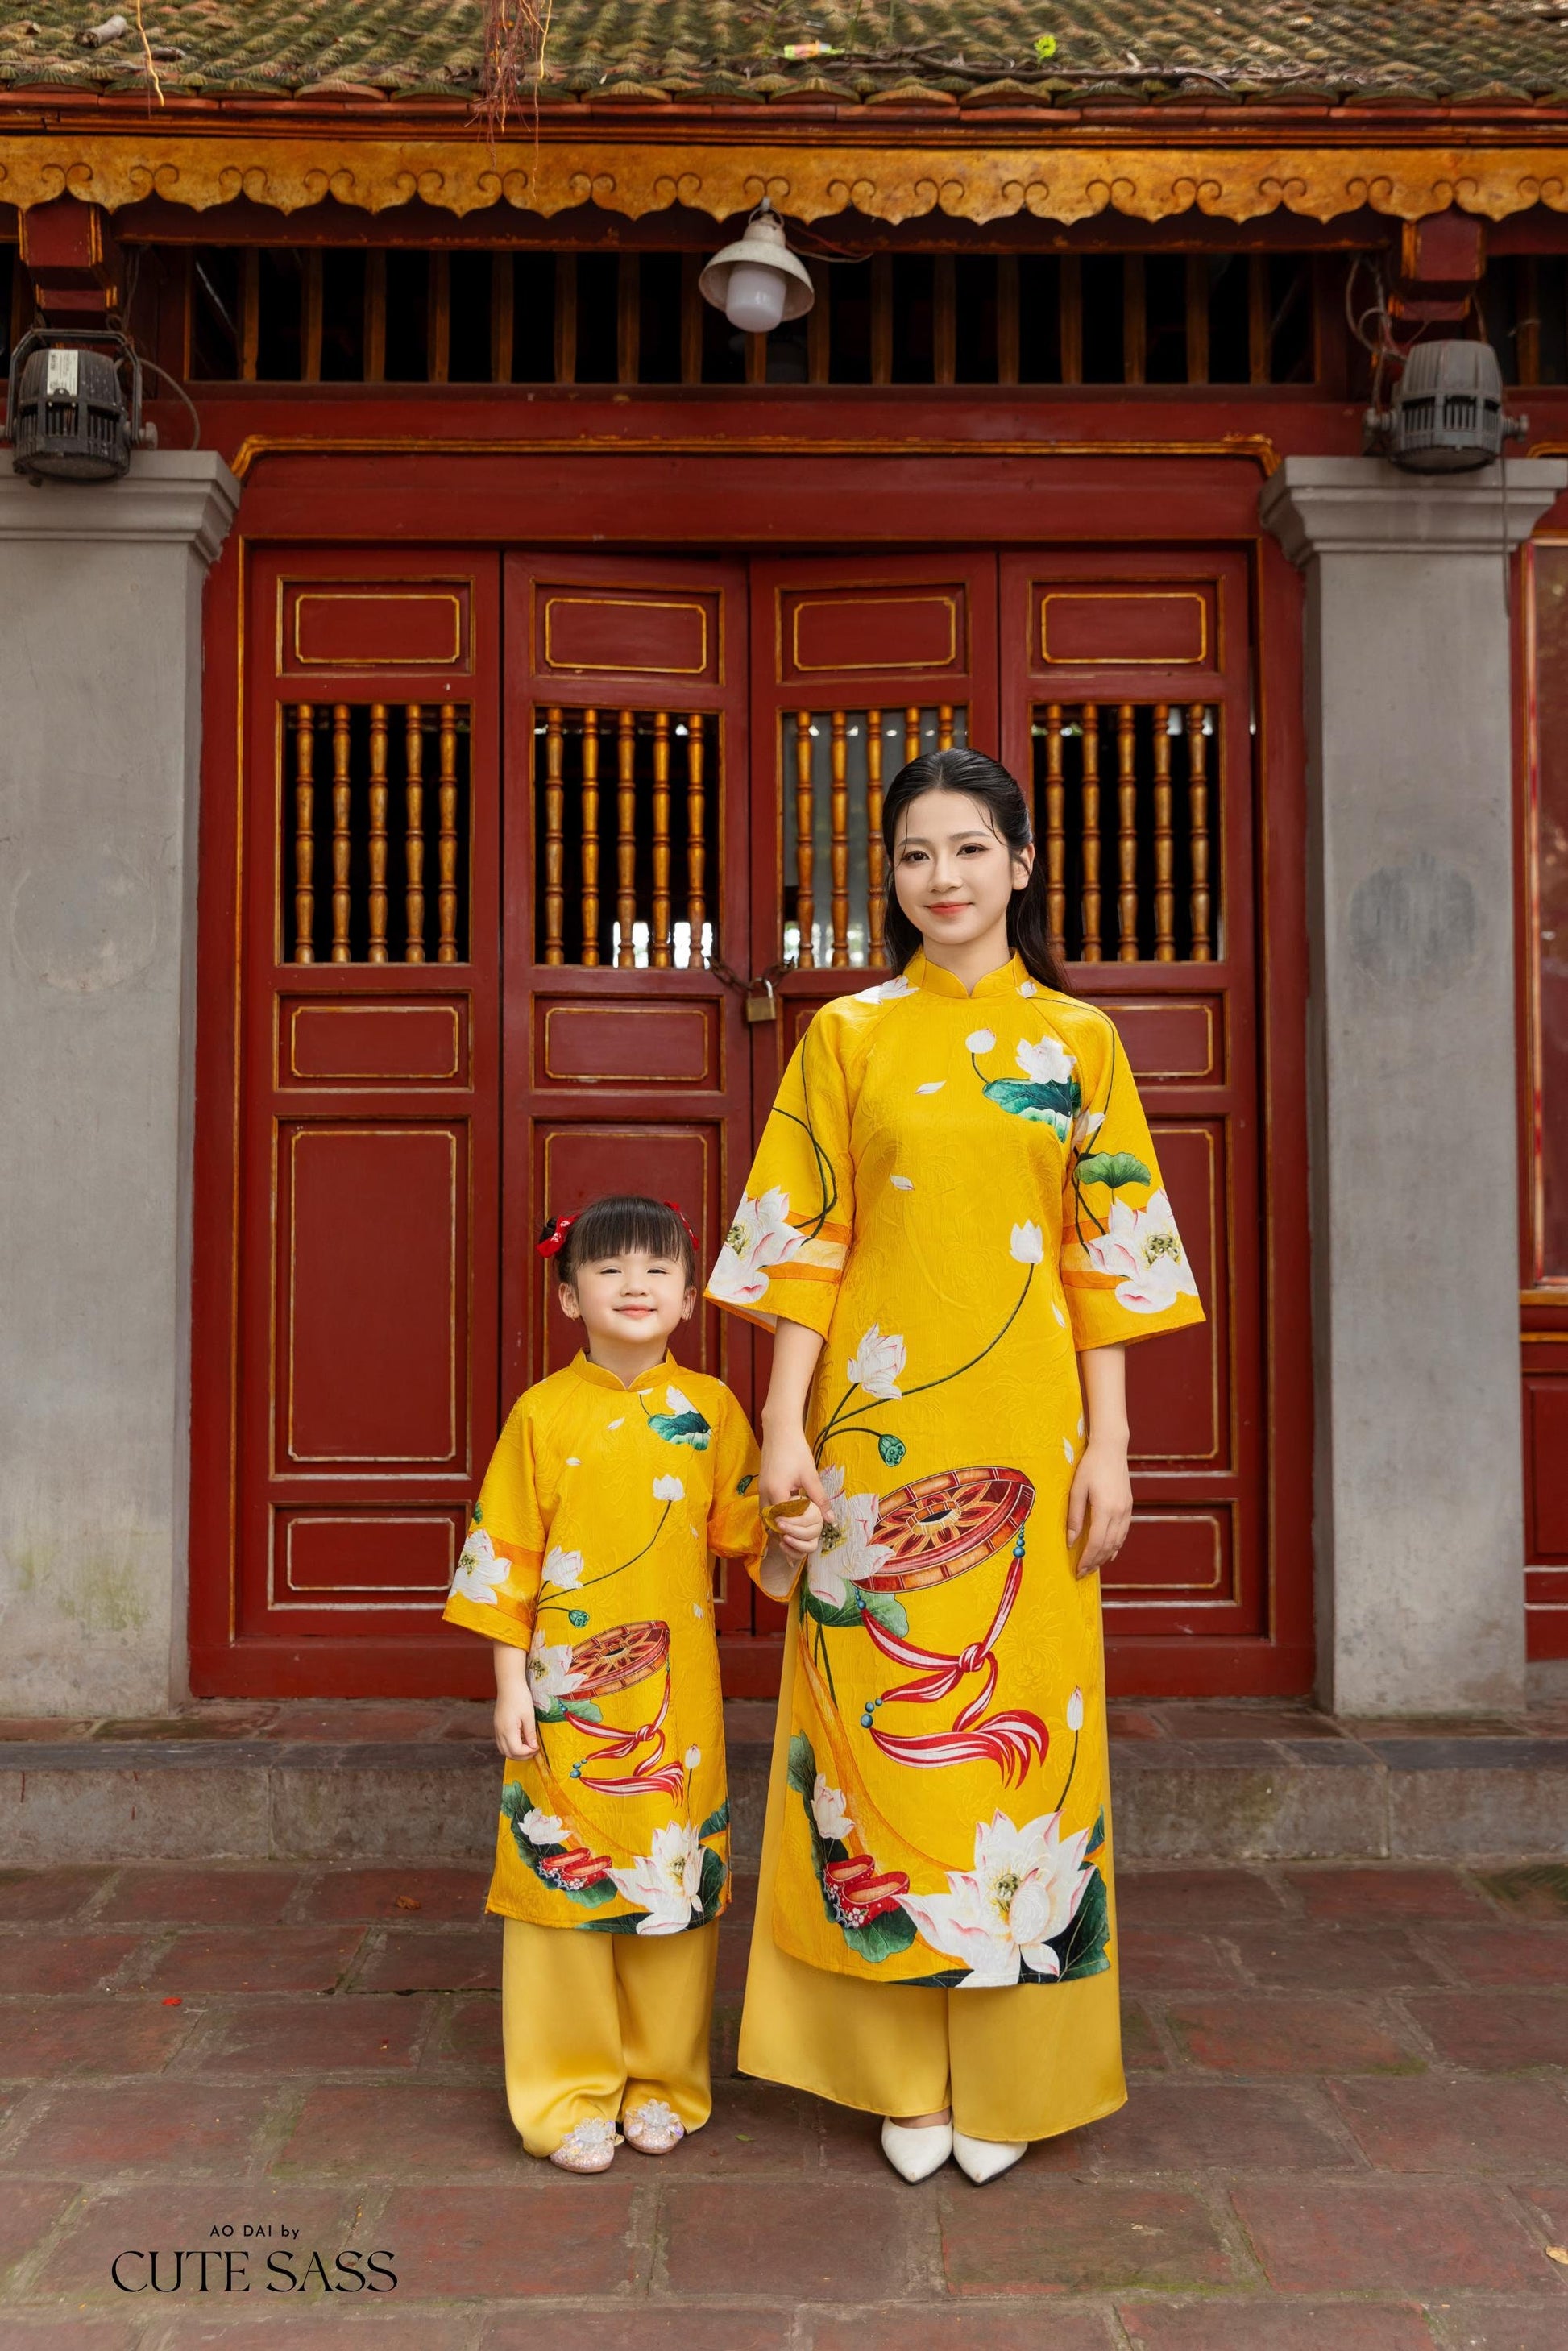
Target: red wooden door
{"x":1127,"y":684}
{"x":365,"y":1342}
{"x":627,"y":831}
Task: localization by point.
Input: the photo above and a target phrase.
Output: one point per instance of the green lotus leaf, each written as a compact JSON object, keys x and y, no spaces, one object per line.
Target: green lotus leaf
{"x":1051,"y":1105}
{"x":1112,"y":1167}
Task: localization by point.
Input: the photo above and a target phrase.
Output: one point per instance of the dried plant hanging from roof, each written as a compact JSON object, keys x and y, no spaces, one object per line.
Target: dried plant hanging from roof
{"x":516,"y":36}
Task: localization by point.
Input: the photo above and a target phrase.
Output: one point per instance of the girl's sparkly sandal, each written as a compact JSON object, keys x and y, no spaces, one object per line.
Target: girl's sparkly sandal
{"x":654,"y":2129}
{"x":590,"y":2147}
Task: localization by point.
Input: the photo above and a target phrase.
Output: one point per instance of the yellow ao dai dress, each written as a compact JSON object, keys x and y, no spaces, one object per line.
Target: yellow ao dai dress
{"x":959,"y":1193}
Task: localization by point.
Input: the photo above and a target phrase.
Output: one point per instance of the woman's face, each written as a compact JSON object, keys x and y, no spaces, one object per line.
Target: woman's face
{"x":952,"y":871}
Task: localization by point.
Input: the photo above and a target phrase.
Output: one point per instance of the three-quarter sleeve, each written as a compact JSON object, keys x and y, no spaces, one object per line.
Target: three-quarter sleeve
{"x":497,"y":1583}
{"x":784,"y":1257}
{"x":735,"y":1528}
{"x":1124,"y":1272}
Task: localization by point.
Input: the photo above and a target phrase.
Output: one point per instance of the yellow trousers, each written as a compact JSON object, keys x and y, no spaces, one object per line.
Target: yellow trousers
{"x":1019,"y":2065}
{"x":597,"y":2025}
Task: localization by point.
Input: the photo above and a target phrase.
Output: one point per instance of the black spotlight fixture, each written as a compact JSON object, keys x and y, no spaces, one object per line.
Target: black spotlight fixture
{"x":73,"y":405}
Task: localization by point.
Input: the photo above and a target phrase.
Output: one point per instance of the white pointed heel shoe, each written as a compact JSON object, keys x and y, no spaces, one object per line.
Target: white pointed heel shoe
{"x":980,"y":2159}
{"x":916,"y":2153}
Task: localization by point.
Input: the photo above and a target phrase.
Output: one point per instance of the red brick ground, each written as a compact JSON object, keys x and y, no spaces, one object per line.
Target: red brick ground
{"x":1348,"y":2131}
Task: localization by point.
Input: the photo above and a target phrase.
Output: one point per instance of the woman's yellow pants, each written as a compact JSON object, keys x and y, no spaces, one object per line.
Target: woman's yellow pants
{"x":598,"y":2025}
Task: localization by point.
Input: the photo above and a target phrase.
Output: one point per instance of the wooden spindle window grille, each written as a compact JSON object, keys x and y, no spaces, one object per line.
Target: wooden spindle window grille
{"x":375,"y":832}
{"x":626,"y":837}
{"x":1127,"y":825}
{"x":475,"y":316}
{"x":835,"y":765}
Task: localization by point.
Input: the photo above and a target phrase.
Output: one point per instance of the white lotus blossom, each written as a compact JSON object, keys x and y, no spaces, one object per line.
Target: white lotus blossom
{"x":877,"y":1364}
{"x":544,"y":1828}
{"x":1144,"y":1248}
{"x":668,"y":1489}
{"x":692,"y":1758}
{"x":550,"y":1673}
{"x":665,"y":1883}
{"x":562,"y":1570}
{"x":845,"y":1554}
{"x":676,"y":1403}
{"x":1028,"y":1244}
{"x":479,"y":1574}
{"x":980,"y":1040}
{"x":1025,"y":1887}
{"x":886,"y":991}
{"x":1046,"y":1061}
{"x":827,"y":1812}
{"x":760,"y":1236}
{"x":1085,"y":1127}
{"x":1075,"y":1711}
{"x":1028,"y":987}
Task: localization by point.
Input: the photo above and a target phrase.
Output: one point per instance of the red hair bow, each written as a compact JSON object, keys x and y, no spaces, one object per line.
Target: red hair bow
{"x":549,"y":1241}
{"x":676,"y":1210}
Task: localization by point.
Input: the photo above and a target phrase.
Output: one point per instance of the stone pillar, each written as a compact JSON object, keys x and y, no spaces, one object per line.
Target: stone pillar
{"x":100,"y":676}
{"x":1413,"y":1116}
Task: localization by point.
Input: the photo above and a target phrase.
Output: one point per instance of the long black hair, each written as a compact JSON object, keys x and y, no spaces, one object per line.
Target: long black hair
{"x":989,"y":785}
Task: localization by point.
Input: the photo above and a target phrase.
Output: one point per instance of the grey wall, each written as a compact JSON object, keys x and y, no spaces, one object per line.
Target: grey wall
{"x":1414,"y":1125}
{"x":101,"y":591}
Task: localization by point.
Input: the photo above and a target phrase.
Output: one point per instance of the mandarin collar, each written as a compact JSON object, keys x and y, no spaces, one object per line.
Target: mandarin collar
{"x":936,"y":981}
{"x":598,"y":1377}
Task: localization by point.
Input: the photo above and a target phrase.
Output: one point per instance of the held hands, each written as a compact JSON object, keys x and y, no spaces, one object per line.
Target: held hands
{"x":514,"y":1717}
{"x":789,"y":1474}
{"x":1102,"y":1498}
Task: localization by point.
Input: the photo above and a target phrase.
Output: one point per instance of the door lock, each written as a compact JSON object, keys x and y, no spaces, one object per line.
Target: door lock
{"x":761,"y":1004}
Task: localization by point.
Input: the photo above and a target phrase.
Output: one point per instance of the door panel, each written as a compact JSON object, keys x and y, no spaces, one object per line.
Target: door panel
{"x":365,"y":1365}
{"x":627,"y":835}
{"x":1126,"y":700}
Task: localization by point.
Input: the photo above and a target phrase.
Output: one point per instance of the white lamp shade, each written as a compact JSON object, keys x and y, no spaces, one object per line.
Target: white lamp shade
{"x":758,"y":282}
{"x":754,"y":297}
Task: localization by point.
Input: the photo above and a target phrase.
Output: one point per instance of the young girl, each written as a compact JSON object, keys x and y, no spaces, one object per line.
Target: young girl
{"x":956,"y":1223}
{"x":587,"y":1567}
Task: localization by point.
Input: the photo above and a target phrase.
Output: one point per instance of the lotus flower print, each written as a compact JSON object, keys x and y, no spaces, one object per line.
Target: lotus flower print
{"x":1045,"y":1062}
{"x":1028,"y":1244}
{"x":562,"y":1570}
{"x":886,"y":991}
{"x":877,"y":1364}
{"x":668,"y":1489}
{"x":827,"y":1812}
{"x":667,"y":1882}
{"x":551,"y":1678}
{"x":1025,"y":1889}
{"x":1143,"y":1249}
{"x":846,"y":1553}
{"x":979,"y":1040}
{"x":480,"y":1574}
{"x":760,"y":1236}
{"x":544,"y":1828}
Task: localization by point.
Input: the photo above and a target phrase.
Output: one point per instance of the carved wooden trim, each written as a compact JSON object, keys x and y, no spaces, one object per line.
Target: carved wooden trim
{"x":808,"y":177}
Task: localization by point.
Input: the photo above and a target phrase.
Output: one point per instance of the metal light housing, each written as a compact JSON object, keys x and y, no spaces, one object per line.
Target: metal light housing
{"x":1446,"y":414}
{"x":73,"y":405}
{"x":758,"y":282}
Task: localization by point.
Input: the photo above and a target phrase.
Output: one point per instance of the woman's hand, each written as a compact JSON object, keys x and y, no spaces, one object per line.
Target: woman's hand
{"x":1102,"y":1498}
{"x":516,"y":1734}
{"x":788,"y":1469}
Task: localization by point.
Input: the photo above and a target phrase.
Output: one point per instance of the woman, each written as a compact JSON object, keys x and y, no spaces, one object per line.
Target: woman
{"x":954,"y":1226}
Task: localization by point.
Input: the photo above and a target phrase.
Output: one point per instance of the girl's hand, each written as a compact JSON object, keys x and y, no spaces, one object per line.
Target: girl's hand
{"x":801,"y":1532}
{"x":788,"y":1467}
{"x":1101,"y":1497}
{"x":516,"y":1734}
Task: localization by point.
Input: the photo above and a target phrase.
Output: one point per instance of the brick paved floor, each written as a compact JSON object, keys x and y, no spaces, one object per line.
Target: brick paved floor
{"x":1348,"y":2130}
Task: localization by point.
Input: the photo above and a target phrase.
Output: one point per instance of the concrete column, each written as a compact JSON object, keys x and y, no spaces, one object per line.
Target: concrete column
{"x":100,"y":664}
{"x":1414,"y":1119}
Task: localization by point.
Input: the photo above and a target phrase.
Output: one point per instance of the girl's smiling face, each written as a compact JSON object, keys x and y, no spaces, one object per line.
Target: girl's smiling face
{"x":635,"y":1300}
{"x":954,"y":873}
